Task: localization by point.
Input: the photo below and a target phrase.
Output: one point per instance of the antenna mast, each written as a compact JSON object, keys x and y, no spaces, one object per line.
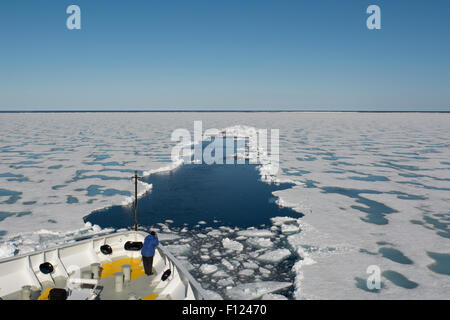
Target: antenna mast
{"x":135,"y":200}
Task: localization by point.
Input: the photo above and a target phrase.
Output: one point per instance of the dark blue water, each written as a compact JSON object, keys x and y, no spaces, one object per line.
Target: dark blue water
{"x":232,"y":194}
{"x":399,"y":280}
{"x":376,"y":211}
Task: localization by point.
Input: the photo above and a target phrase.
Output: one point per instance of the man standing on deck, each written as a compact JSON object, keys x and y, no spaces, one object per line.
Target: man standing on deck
{"x":148,"y":251}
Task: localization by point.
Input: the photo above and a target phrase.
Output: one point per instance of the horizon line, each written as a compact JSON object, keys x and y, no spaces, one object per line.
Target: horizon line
{"x":220,"y":110}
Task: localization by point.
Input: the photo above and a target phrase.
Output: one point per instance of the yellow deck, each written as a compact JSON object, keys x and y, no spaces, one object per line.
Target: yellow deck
{"x":109,"y":268}
{"x":137,"y":269}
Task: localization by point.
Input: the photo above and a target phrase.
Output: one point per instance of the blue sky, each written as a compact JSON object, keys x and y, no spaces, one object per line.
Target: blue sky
{"x":225,"y":54}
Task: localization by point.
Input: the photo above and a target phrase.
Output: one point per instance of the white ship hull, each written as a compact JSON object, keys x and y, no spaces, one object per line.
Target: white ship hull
{"x":85,"y":272}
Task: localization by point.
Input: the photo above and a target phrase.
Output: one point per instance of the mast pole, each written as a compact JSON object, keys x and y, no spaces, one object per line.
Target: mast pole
{"x":135,"y":201}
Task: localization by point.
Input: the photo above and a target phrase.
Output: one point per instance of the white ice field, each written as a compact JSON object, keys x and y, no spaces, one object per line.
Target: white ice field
{"x":374,"y":190}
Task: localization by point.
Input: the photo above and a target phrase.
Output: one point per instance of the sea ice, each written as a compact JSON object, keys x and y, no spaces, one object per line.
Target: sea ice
{"x":250,"y":265}
{"x":178,"y":249}
{"x":168,"y":236}
{"x":227,"y":264}
{"x":255,"y":233}
{"x":232,"y":245}
{"x":246,"y":272}
{"x":260,"y":242}
{"x":272,"y":296}
{"x":208,"y":268}
{"x":274,"y":256}
{"x":220,"y":274}
{"x":187,"y":265}
{"x":211,"y":295}
{"x":7,"y":249}
{"x":214,"y":233}
{"x":290,"y":228}
{"x":251,"y":291}
{"x":225,"y":282}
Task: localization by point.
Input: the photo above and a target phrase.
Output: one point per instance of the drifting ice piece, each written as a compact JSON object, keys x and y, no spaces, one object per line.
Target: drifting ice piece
{"x":178,"y":249}
{"x":232,"y":245}
{"x":250,"y":291}
{"x":208,"y":268}
{"x":272,"y":296}
{"x":256,"y":233}
{"x":274,"y":256}
{"x":260,"y":242}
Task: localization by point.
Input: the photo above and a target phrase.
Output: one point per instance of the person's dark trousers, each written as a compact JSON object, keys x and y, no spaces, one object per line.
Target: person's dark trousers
{"x":148,"y":262}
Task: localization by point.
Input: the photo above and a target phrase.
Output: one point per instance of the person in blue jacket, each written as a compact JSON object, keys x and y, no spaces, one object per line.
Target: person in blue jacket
{"x":148,"y":251}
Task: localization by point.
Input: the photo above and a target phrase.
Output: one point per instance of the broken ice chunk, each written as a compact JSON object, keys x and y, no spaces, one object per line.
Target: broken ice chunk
{"x":290,"y":228}
{"x":211,"y":295}
{"x":208,"y":268}
{"x":260,"y":242}
{"x":225,"y":282}
{"x":246,"y":272}
{"x":255,"y":290}
{"x":187,"y":265}
{"x":278,"y":221}
{"x":178,"y":249}
{"x":216,"y":253}
{"x":255,"y":233}
{"x":272,"y":296}
{"x":232,"y":245}
{"x":214,"y":233}
{"x":250,"y":265}
{"x":167,"y":236}
{"x":275,"y":256}
{"x":220,"y":274}
{"x":227,"y":264}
